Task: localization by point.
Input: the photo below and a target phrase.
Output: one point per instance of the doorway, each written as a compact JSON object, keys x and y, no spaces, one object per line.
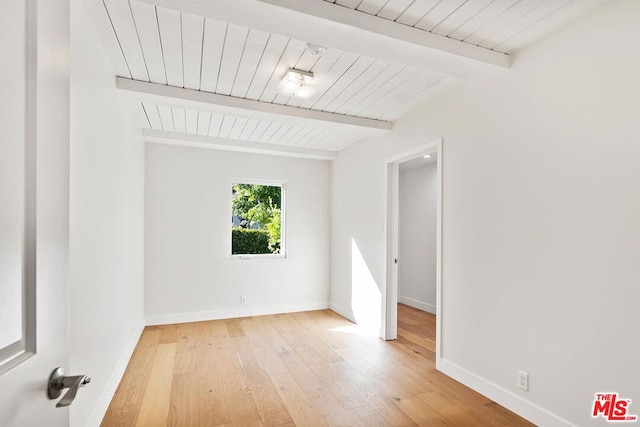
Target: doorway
{"x":428,"y":153}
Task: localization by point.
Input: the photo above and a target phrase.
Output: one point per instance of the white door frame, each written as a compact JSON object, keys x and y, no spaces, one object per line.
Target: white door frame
{"x":390,"y":290}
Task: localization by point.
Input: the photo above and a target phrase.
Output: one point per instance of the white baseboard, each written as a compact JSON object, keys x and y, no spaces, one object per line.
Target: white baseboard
{"x":504,"y":397}
{"x":347,"y":314}
{"x":110,"y":390}
{"x":231,"y":313}
{"x":420,"y":305}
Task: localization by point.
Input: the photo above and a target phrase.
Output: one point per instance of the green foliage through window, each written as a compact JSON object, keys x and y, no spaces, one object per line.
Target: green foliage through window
{"x":256,"y":215}
{"x":245,"y":241}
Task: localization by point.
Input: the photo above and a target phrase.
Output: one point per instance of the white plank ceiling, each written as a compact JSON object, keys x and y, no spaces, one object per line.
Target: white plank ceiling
{"x":154,"y":44}
{"x":236,"y":128}
{"x":168,"y":47}
{"x":499,"y":25}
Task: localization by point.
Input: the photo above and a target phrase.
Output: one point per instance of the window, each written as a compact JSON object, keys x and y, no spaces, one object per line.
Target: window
{"x":257,"y":219}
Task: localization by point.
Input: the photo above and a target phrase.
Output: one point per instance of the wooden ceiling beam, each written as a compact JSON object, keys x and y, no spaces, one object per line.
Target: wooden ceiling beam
{"x":155,"y":93}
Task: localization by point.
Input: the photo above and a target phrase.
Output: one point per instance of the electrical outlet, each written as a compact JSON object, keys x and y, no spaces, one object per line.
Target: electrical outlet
{"x":523,"y":380}
{"x":243,"y":300}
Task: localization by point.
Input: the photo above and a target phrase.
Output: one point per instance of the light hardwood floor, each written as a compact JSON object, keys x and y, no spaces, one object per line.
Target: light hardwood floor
{"x":301,"y":369}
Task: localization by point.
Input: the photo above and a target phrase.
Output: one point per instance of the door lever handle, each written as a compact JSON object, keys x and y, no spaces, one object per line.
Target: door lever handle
{"x":58,"y":382}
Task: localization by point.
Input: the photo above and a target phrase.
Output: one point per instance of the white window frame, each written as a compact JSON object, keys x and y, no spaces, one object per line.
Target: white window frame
{"x":283,"y":218}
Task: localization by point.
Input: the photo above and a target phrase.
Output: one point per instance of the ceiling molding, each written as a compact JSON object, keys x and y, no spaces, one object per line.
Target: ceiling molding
{"x":206,"y":101}
{"x":333,"y":26}
{"x":185,"y":140}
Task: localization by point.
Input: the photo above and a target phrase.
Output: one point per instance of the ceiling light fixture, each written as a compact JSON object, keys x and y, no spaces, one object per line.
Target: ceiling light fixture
{"x":314,"y":49}
{"x":297,"y":84}
{"x":426,"y":156}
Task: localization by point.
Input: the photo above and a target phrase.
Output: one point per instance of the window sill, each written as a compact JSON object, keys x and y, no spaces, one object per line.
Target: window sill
{"x":258,"y":256}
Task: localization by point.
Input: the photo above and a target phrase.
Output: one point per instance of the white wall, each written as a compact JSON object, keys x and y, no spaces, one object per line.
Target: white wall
{"x":540,"y":219}
{"x":189,"y":274}
{"x":417,"y":220}
{"x":107,"y":225}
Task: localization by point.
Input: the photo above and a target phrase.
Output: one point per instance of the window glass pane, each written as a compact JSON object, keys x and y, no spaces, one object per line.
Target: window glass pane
{"x":256,"y":219}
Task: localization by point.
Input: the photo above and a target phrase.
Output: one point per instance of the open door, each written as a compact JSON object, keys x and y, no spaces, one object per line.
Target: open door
{"x":390,"y":296}
{"x":34,"y":208}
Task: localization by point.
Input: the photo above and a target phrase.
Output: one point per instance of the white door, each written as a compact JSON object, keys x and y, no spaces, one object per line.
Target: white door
{"x":34,"y":208}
